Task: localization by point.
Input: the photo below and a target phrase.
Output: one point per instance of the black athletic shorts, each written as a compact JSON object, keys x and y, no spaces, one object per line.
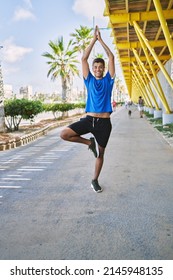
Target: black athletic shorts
{"x":99,"y":127}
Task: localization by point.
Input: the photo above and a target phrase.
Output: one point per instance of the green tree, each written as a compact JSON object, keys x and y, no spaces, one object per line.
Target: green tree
{"x":18,"y":109}
{"x":62,"y":62}
{"x":82,"y":38}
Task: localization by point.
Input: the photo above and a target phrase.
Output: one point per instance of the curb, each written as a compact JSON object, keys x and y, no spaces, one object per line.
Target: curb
{"x":168,"y":140}
{"x":25,"y":139}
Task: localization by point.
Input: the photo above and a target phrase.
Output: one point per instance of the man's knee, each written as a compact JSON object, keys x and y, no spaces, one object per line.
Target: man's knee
{"x":64,"y":134}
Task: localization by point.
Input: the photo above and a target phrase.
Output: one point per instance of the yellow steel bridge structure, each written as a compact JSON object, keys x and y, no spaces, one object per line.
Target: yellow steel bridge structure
{"x":142,"y":32}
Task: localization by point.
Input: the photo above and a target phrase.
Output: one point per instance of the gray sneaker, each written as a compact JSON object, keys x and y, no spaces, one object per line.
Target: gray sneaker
{"x":96,"y":187}
{"x":94,"y":147}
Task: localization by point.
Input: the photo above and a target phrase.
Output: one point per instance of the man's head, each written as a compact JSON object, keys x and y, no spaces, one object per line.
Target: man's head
{"x":98,"y":67}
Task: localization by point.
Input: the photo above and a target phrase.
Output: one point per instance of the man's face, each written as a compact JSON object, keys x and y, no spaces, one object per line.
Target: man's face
{"x":98,"y":70}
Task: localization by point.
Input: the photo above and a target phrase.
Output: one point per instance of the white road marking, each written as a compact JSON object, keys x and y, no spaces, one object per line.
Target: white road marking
{"x":41,"y":161}
{"x":49,"y":157}
{"x":30,"y":169}
{"x":33,"y":167}
{"x":10,"y":187}
{"x":61,"y":150}
{"x":14,"y":175}
{"x":16,"y":179}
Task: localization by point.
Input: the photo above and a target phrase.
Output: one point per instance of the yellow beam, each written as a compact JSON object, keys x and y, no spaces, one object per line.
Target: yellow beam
{"x":164,"y":25}
{"x":158,"y":89}
{"x":138,"y":79}
{"x":152,"y":51}
{"x":135,"y":45}
{"x":143,"y":84}
{"x":143,"y":58}
{"x":145,"y":72}
{"x":137,"y":88}
{"x":142,"y":16}
{"x":120,"y":25}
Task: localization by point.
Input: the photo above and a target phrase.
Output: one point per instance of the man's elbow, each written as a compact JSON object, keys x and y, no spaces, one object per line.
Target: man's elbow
{"x":84,"y":59}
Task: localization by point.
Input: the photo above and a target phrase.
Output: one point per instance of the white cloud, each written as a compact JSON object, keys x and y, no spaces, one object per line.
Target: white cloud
{"x":10,"y":70}
{"x":23,"y":14}
{"x":28,"y":3}
{"x":13,"y":53}
{"x":89,"y":9}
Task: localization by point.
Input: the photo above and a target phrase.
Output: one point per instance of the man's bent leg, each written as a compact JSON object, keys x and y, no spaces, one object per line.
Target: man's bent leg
{"x":68,"y":134}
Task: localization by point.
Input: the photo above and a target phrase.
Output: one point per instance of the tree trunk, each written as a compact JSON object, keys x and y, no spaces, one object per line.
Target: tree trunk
{"x":64,"y":90}
{"x":2,"y":119}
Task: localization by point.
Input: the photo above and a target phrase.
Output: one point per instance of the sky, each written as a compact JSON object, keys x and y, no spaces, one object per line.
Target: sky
{"x":27,"y":26}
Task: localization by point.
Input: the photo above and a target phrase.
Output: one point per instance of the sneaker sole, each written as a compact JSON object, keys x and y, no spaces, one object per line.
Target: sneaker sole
{"x":97,"y":148}
{"x":99,"y":191}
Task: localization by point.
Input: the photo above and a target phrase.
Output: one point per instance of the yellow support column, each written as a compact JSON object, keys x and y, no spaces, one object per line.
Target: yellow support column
{"x":138,"y":87}
{"x":144,"y":71}
{"x":152,"y":51}
{"x":164,"y":26}
{"x":158,"y":90}
{"x":136,"y":90}
{"x":143,"y":81}
{"x":142,"y":84}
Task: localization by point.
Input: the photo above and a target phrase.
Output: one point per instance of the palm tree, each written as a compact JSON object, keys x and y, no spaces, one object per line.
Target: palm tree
{"x":62,"y":62}
{"x":82,"y":39}
{"x":100,"y":55}
{"x":2,"y":113}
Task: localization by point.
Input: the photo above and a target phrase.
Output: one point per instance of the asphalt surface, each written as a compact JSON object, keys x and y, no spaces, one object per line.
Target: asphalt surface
{"x":49,"y":211}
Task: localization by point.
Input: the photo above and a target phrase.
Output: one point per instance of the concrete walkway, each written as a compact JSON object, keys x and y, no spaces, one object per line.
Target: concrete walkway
{"x":56,"y":215}
{"x":138,"y":173}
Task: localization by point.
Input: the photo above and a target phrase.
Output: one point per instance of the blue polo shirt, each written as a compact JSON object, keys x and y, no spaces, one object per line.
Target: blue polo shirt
{"x":99,"y":93}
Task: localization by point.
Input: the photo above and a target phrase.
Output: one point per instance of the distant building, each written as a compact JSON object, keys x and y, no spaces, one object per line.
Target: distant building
{"x":26,"y":92}
{"x":8,"y":92}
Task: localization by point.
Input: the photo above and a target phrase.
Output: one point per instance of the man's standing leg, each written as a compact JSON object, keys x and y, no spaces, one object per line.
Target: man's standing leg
{"x":98,"y":167}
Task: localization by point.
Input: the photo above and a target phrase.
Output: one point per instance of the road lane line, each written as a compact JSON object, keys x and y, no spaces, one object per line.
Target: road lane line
{"x":31,"y":169}
{"x":16,"y":179}
{"x":14,"y":175}
{"x":41,"y":161}
{"x":10,"y":187}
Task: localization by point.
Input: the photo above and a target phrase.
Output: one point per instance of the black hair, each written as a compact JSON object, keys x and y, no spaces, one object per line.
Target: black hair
{"x":99,"y":60}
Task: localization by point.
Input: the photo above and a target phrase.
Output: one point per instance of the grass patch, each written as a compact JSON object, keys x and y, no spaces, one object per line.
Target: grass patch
{"x":166,"y":129}
{"x":148,"y":115}
{"x":157,"y":121}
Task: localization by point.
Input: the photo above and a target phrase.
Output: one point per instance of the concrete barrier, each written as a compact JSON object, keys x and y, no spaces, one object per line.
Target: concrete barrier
{"x":167,"y":118}
{"x":25,"y":139}
{"x":157,"y":114}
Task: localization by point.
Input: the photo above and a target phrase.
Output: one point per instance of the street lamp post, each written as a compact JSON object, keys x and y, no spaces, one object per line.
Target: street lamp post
{"x":2,"y":114}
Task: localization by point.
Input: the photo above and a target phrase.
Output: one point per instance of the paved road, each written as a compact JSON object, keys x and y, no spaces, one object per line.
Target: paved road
{"x":49,"y":211}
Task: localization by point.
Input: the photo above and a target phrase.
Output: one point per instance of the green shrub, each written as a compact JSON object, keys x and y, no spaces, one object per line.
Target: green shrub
{"x":18,"y":109}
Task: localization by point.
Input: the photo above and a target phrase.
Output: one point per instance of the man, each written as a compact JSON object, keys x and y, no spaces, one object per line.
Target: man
{"x":98,"y":107}
{"x":141,"y":106}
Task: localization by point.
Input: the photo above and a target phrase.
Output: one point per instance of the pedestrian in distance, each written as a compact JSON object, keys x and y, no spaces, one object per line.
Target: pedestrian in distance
{"x":98,"y":107}
{"x":129,"y":106}
{"x":141,"y":106}
{"x":114,"y":104}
